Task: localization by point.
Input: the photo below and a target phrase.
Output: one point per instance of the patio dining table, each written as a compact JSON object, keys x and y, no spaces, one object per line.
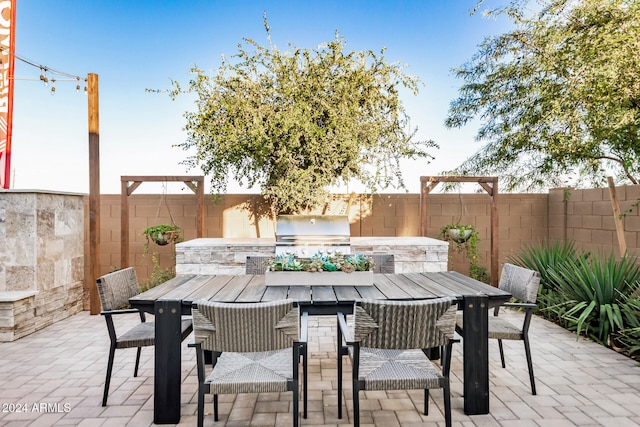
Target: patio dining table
{"x":174,"y":298}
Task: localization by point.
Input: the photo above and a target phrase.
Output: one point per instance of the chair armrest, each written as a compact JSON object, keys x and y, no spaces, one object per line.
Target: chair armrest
{"x":527,"y":305}
{"x":126,"y":311}
{"x":344,"y":329}
{"x":194,"y":344}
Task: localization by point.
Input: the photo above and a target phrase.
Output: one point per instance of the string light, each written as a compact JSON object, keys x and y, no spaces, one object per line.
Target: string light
{"x":43,"y":74}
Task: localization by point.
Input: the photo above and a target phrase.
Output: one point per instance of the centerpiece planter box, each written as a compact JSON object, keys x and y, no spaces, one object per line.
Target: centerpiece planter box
{"x":318,"y":278}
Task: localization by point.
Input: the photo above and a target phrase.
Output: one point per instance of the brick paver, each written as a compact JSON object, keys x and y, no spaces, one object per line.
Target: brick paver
{"x":55,"y":377}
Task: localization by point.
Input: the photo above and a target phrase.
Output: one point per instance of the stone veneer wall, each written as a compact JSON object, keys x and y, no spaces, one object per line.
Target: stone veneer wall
{"x":41,"y":259}
{"x":228,"y":256}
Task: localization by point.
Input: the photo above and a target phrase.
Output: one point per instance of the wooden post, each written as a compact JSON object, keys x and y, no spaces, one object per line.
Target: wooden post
{"x":124,"y":224}
{"x":617,"y":217}
{"x":495,"y":237}
{"x":200,"y":209}
{"x":94,"y":192}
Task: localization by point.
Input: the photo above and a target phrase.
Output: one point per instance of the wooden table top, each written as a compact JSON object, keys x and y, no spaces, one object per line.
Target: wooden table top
{"x":316,"y":299}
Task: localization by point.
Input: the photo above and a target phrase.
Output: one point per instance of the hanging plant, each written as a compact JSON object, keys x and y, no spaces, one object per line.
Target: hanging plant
{"x":465,"y":241}
{"x":457,"y":233}
{"x":162,"y":235}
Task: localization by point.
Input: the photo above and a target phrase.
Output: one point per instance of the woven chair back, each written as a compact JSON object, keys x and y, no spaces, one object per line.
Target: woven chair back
{"x":116,"y":288}
{"x":247,"y":327}
{"x":405,"y":324}
{"x":521,"y":282}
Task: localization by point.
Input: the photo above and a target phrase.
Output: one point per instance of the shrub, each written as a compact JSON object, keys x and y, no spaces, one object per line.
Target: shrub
{"x":545,"y":257}
{"x":628,"y":339}
{"x":593,"y":289}
{"x":593,"y":295}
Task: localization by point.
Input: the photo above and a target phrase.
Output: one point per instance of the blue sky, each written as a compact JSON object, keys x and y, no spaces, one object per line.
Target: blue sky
{"x":134,"y":45}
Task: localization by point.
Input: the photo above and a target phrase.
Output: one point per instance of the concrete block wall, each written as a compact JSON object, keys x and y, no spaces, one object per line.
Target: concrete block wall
{"x":41,"y":260}
{"x":586,"y":217}
{"x":523,"y":218}
{"x":581,"y":215}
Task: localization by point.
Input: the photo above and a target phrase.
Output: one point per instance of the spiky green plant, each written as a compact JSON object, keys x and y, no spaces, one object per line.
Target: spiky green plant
{"x":628,"y":339}
{"x":544,"y":257}
{"x":593,"y":290}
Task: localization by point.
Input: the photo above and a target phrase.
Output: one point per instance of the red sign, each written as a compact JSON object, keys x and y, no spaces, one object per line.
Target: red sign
{"x":7,"y":55}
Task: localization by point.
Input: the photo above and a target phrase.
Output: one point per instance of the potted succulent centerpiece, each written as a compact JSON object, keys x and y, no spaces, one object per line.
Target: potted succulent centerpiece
{"x":322,"y":269}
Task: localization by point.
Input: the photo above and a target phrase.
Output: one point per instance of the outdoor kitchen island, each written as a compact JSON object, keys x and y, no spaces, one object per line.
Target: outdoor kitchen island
{"x":229,"y":255}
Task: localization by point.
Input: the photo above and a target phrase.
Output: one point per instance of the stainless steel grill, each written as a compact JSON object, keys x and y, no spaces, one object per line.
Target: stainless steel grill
{"x":304,"y":235}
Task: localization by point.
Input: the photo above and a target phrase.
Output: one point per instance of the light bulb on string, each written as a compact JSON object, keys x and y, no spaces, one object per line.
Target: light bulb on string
{"x":78,"y":85}
{"x":44,"y":79}
{"x":53,"y":88}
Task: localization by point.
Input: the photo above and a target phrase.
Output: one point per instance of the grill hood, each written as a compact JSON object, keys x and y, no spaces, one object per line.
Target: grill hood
{"x":304,"y":235}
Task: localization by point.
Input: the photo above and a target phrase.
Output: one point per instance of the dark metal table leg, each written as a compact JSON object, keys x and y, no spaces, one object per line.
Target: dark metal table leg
{"x":166,"y":394}
{"x":476,"y":354}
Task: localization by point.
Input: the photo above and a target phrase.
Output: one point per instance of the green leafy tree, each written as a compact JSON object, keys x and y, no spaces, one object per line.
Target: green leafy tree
{"x":558,"y":96}
{"x":296,"y":123}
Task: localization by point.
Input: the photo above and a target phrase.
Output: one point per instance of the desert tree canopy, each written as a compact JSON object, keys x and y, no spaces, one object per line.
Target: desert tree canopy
{"x":557,"y":97}
{"x":294,"y":123}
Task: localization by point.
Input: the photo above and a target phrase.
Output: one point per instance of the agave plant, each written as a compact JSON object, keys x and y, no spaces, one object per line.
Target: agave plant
{"x":593,"y":289}
{"x":544,"y":257}
{"x":628,"y":339}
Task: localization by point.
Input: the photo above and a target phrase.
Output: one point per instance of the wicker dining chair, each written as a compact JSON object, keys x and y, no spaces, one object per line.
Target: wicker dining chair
{"x":388,"y":348}
{"x":256,"y":348}
{"x":115,"y":289}
{"x":523,"y":284}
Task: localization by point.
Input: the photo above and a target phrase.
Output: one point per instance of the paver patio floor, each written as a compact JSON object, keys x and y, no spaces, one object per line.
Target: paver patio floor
{"x":56,"y":375}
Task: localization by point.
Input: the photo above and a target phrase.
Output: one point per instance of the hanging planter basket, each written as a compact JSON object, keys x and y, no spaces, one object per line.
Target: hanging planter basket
{"x":456,"y":233}
{"x":162,"y":234}
{"x":459,"y":235}
{"x":162,"y":239}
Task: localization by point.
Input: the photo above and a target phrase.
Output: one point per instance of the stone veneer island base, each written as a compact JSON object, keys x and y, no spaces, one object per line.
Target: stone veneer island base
{"x":228,"y":256}
{"x":41,"y":259}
